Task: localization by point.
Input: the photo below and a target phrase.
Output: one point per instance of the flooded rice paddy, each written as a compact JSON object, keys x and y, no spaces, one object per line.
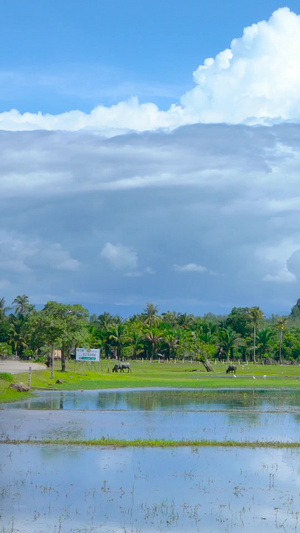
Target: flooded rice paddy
{"x":61,"y":488}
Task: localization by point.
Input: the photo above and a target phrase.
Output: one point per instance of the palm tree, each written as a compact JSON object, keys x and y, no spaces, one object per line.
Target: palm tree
{"x":171,"y":318}
{"x":281,"y":326}
{"x":255,"y":314}
{"x":17,"y":334}
{"x":134,"y":337}
{"x":185,"y":320}
{"x":227,"y":341}
{"x":154,"y":337}
{"x":208,"y":332}
{"x":22,"y":305}
{"x":3,"y":308}
{"x":105,"y":321}
{"x":150,"y":315}
{"x":264,"y":338}
{"x":171,"y":339}
{"x":118,"y":338}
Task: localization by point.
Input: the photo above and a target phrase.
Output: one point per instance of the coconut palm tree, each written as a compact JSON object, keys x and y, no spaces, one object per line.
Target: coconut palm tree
{"x":227,"y":341}
{"x":153,"y":336}
{"x":171,"y":318}
{"x":22,"y":305}
{"x":264,"y":338}
{"x":134,"y":337}
{"x":255,"y":314}
{"x":3,"y":308}
{"x":171,"y":340}
{"x":281,"y":326}
{"x":118,"y":338}
{"x":150,"y":315}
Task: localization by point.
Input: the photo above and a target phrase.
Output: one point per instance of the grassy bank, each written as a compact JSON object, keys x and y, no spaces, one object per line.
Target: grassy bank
{"x":144,"y":374}
{"x":157,"y":443}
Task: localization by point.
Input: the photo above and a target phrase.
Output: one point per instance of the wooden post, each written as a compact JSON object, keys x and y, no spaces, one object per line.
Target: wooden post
{"x":29,"y":376}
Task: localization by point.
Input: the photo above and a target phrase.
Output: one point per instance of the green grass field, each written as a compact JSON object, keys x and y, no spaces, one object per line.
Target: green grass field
{"x":144,"y":374}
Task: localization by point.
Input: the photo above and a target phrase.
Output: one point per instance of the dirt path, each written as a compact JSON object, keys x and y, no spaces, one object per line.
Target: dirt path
{"x":18,"y":367}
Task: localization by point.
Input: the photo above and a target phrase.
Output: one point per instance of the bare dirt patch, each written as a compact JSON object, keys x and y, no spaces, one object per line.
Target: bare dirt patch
{"x":19,"y":367}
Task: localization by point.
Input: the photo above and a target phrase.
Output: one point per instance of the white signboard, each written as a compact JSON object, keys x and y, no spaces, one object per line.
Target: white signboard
{"x":82,"y":354}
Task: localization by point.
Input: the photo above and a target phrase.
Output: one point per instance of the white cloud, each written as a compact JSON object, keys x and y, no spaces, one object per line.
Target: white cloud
{"x":276,"y":258}
{"x":257,"y":79}
{"x":123,"y":117}
{"x":120,"y":257}
{"x":282,"y":276}
{"x":258,"y":76}
{"x":190,"y":267}
{"x":22,"y":255}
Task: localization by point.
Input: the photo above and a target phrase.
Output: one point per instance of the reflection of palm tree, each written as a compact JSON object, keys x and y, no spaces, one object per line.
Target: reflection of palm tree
{"x":255,"y":314}
{"x":281,"y":325}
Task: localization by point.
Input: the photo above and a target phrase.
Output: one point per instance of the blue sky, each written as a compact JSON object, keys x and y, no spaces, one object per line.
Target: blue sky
{"x":75,"y":54}
{"x":150,"y":153}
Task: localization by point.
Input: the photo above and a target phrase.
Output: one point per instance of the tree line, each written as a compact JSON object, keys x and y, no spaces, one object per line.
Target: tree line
{"x":245,"y":334}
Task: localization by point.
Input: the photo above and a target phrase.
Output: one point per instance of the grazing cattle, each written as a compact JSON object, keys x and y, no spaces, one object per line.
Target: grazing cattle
{"x":122,"y":367}
{"x":231,"y":368}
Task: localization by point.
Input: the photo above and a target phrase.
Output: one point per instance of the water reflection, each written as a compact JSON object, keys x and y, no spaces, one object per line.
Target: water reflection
{"x":148,"y":490}
{"x":162,"y":399}
{"x":163,"y":414}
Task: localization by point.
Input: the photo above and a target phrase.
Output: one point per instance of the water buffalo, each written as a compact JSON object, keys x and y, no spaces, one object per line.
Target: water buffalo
{"x":231,"y":368}
{"x":122,"y":367}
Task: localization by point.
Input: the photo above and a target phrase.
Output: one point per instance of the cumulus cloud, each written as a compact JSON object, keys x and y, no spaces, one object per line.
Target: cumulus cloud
{"x":120,"y":257}
{"x":125,"y":116}
{"x":256,"y":79}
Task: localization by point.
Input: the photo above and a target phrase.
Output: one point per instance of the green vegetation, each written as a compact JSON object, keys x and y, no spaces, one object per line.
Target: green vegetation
{"x":243,"y":335}
{"x":155,"y":443}
{"x":4,"y":376}
{"x":82,"y":376}
{"x":165,"y":350}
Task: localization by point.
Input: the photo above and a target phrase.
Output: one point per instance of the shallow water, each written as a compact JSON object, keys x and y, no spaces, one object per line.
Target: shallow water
{"x":162,"y":399}
{"x":162,"y":414}
{"x":62,"y":489}
{"x":56,"y":489}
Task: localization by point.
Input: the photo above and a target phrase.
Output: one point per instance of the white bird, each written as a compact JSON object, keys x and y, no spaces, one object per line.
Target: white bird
{"x":253,"y":377}
{"x":264,"y":376}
